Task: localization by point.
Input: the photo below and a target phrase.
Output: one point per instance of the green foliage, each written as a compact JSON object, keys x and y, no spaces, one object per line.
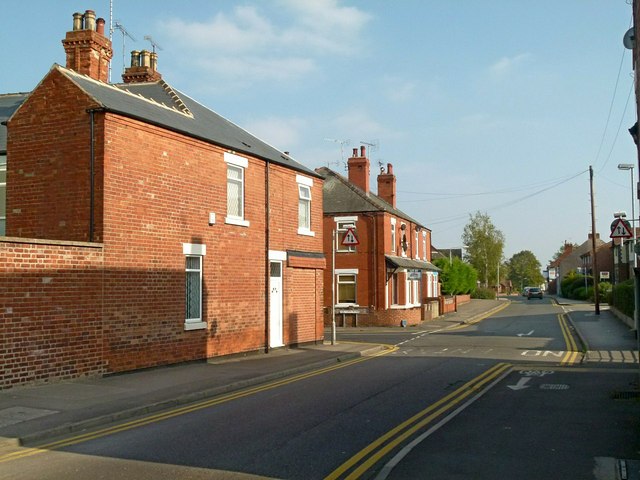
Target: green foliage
{"x":623,"y":297}
{"x":484,"y":293}
{"x":577,"y":287}
{"x":605,"y":290}
{"x":456,"y":277}
{"x":484,"y":244}
{"x":524,"y":269}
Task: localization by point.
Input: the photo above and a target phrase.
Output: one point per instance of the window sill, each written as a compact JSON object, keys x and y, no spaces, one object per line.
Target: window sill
{"x":195,"y":325}
{"x":305,"y":232}
{"x":347,"y":305}
{"x":403,"y":307}
{"x":236,"y":221}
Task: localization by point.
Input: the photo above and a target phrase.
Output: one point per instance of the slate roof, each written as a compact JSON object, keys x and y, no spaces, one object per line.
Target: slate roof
{"x":342,"y":196}
{"x":159,"y":104}
{"x":9,"y":103}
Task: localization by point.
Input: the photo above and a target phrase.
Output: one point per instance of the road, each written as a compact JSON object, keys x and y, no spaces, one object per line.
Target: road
{"x":504,"y":397}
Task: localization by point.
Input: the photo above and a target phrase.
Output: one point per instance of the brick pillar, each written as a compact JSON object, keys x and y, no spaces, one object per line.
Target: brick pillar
{"x":359,"y":169}
{"x":387,"y":186}
{"x":88,"y":50}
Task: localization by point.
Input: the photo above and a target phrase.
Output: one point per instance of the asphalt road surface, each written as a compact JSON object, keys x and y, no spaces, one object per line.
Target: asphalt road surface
{"x":505,"y":397}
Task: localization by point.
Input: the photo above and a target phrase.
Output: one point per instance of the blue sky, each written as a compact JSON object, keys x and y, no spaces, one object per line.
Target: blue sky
{"x":497,"y":106}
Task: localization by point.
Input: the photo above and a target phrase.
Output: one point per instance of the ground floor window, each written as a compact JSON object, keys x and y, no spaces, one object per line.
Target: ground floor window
{"x":346,"y":288}
{"x":193,"y":286}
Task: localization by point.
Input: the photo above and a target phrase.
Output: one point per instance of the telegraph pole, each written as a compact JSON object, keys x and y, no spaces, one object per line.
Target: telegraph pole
{"x":594,"y":263}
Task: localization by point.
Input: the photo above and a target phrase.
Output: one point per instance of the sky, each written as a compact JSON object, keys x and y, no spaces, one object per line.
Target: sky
{"x":494,"y":106}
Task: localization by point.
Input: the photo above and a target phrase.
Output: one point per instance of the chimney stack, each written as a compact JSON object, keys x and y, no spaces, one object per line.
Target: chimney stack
{"x":88,"y":50}
{"x":143,"y":68}
{"x":359,"y":169}
{"x":387,"y":186}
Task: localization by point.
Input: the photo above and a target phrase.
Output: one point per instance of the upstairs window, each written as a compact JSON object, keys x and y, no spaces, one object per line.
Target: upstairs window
{"x":393,"y":235}
{"x":236,"y":167}
{"x":304,"y":205}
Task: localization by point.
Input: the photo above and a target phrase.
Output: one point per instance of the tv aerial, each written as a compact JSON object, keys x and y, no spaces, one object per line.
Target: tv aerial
{"x":629,"y":39}
{"x":118,"y":26}
{"x":374,"y":146}
{"x":342,"y":144}
{"x":153,"y":43}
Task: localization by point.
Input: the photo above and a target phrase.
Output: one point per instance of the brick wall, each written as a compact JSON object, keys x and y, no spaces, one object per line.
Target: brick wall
{"x":154,"y":191}
{"x":48,"y":164}
{"x":50,"y":311}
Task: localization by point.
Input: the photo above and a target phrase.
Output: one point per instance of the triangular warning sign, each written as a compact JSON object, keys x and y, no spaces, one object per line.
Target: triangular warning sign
{"x":350,"y":238}
{"x":620,"y":229}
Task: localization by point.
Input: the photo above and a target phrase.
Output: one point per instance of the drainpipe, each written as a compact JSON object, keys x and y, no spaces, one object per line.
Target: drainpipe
{"x":92,"y":157}
{"x":267,"y":289}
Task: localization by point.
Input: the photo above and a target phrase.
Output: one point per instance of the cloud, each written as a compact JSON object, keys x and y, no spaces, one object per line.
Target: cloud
{"x":282,"y":133}
{"x":398,"y":89}
{"x":249,"y":44}
{"x":507,"y":65}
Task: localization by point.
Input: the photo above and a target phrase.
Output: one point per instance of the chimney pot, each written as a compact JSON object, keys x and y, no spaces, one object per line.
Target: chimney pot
{"x":145,"y":58}
{"x":89,"y":20}
{"x":363,"y":151}
{"x":355,"y":152}
{"x":135,"y":58}
{"x":389,"y":169}
{"x":100,"y":26}
{"x":77,"y":21}
{"x":154,"y":61}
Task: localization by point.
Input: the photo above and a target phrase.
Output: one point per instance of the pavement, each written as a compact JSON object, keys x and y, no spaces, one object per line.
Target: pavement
{"x":33,"y":414}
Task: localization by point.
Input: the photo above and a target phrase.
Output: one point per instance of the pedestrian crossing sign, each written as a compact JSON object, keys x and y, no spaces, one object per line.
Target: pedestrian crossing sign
{"x":350,"y":238}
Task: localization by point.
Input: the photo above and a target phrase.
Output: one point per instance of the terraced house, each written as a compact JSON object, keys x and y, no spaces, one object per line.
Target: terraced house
{"x":144,"y":229}
{"x":387,"y":278}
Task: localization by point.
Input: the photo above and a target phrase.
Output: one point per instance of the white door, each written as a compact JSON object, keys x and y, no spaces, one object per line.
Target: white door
{"x":275,"y":306}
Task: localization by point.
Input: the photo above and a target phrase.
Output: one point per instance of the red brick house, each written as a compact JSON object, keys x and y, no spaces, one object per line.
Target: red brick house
{"x":144,"y":229}
{"x":387,"y":279}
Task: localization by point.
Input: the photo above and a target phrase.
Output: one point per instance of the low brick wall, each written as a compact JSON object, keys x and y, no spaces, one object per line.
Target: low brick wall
{"x":50,"y":310}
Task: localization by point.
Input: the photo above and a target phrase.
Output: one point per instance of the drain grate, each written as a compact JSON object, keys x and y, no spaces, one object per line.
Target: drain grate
{"x":629,"y":395}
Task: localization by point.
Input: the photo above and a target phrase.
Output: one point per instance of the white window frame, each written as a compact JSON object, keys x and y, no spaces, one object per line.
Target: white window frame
{"x":393,"y":235}
{"x":424,"y":245}
{"x":195,"y":250}
{"x":403,"y":252}
{"x":304,"y":185}
{"x":340,"y":272}
{"x":342,"y":223}
{"x":417,"y":246}
{"x":3,"y":195}
{"x":241,"y":163}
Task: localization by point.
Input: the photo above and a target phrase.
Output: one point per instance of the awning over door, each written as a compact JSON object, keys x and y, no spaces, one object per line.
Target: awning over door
{"x":410,"y":264}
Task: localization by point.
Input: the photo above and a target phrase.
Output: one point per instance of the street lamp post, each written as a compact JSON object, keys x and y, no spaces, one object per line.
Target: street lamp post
{"x":636,"y":282}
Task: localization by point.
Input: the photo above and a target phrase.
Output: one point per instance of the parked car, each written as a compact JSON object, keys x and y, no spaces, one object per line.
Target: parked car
{"x":525,"y":292}
{"x":534,"y":292}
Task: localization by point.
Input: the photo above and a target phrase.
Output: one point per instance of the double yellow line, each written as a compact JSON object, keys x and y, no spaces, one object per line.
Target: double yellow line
{"x":480,"y":318}
{"x":27,"y":452}
{"x":572,"y":353}
{"x":361,"y":462}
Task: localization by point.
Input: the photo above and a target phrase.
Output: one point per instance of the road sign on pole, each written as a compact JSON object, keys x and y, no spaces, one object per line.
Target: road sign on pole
{"x":350,"y":238}
{"x":620,"y":228}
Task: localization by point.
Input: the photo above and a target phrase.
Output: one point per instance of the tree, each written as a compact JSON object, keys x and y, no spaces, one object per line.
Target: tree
{"x":524,"y":269}
{"x":484,"y":244}
{"x":456,"y":277}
